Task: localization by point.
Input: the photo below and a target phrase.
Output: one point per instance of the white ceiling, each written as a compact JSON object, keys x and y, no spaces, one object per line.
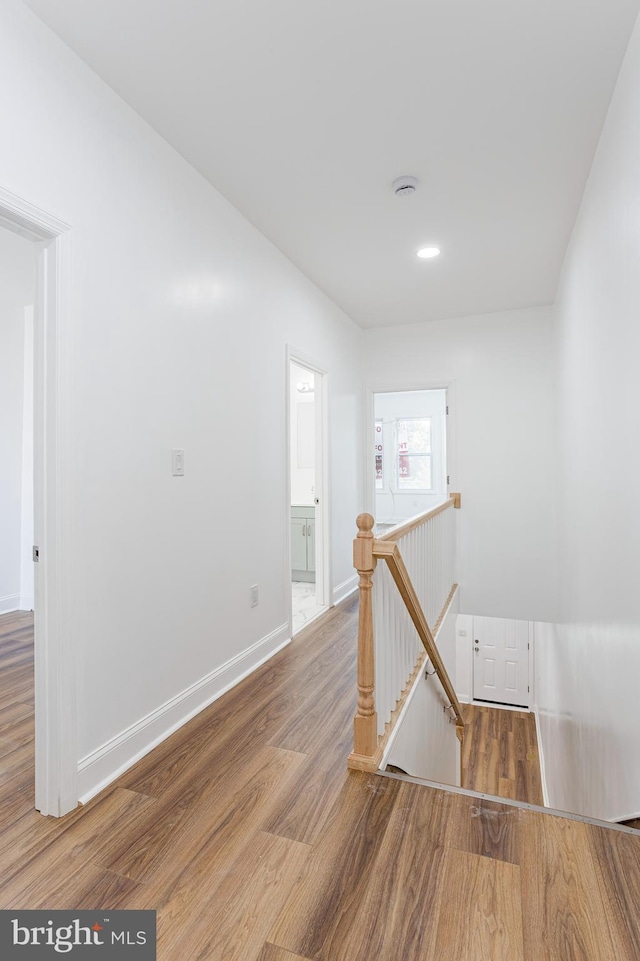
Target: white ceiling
{"x":303,"y":113}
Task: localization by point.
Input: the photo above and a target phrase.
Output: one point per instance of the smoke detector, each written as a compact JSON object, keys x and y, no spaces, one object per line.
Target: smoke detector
{"x":405,"y":186}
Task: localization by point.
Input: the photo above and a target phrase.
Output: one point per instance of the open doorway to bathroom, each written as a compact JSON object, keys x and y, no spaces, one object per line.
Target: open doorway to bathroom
{"x":307,"y":501}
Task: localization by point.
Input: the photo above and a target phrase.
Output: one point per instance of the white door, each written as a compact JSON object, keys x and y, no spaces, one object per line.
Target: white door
{"x":501,"y":661}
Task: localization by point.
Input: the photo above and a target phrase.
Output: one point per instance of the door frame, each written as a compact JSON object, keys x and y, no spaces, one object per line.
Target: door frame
{"x":322,"y":492}
{"x":450,"y":432}
{"x":56,"y":750}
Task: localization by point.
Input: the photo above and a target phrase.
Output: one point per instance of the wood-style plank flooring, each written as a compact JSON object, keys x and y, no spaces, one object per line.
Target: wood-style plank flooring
{"x":246,"y":833}
{"x":500,"y":753}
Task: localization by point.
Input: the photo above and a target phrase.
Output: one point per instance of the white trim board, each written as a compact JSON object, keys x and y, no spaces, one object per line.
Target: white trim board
{"x":102,"y":766}
{"x":627,"y":817}
{"x":543,"y":776}
{"x":9,"y":603}
{"x":554,"y":812}
{"x":343,"y":590}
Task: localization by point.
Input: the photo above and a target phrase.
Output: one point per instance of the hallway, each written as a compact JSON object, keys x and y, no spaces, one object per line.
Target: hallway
{"x":246,"y":833}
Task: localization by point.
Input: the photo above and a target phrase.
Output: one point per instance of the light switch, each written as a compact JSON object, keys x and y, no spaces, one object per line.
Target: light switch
{"x":177,"y":462}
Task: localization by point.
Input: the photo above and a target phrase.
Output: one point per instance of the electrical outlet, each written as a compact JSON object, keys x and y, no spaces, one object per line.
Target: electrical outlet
{"x":254,"y":595}
{"x":462,"y":633}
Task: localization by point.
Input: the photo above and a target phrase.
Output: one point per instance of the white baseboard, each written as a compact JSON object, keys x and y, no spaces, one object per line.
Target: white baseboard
{"x":543,"y":776}
{"x":464,"y":698}
{"x":26,"y":602}
{"x":9,"y":603}
{"x":625,"y":817}
{"x":102,"y":766}
{"x":343,"y":590}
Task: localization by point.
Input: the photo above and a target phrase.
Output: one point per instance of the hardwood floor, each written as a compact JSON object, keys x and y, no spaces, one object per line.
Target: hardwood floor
{"x":16,"y":710}
{"x":500,"y":753}
{"x":249,"y":837}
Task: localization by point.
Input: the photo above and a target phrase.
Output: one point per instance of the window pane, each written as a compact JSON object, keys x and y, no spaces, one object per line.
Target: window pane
{"x":414,"y":472}
{"x":414,"y":436}
{"x":378,"y":452}
{"x":414,"y":453}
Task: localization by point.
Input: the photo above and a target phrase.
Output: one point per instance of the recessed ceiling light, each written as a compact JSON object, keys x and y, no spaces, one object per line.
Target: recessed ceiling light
{"x":428,"y":252}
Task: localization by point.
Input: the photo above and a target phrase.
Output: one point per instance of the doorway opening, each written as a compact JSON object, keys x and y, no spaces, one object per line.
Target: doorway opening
{"x":307,"y":501}
{"x":17,"y":297}
{"x":53,"y":695}
{"x":17,"y":690}
{"x":410,"y":451}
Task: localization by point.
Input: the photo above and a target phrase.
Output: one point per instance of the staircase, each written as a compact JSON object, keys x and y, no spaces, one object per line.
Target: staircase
{"x":395,"y":641}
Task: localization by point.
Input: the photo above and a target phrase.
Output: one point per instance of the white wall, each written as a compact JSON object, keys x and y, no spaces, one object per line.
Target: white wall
{"x":17,"y":265}
{"x":179,"y":316}
{"x":503,"y":459}
{"x":588,"y":666}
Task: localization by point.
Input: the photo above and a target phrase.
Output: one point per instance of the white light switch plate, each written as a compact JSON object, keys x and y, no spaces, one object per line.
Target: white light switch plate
{"x":177,"y":462}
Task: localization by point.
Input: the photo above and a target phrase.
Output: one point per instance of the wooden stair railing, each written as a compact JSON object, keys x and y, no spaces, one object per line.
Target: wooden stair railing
{"x":367,"y":551}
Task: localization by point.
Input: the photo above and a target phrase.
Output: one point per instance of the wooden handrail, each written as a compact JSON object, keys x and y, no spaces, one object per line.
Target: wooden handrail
{"x":367,"y":549}
{"x":401,"y":530}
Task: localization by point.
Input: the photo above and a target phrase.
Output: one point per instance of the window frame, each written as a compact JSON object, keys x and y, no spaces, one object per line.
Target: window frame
{"x":415,"y":454}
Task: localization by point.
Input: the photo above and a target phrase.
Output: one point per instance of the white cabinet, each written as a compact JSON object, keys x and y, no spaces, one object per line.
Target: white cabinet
{"x":303,"y":544}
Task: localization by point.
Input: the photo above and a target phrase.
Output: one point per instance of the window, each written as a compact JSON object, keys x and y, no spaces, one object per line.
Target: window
{"x":378,"y":453}
{"x":414,"y":454}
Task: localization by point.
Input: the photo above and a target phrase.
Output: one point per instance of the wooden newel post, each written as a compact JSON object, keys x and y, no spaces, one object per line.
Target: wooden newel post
{"x":365,"y":723}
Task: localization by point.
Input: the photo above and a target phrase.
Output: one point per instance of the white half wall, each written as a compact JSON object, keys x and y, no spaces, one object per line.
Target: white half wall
{"x":589,"y":665}
{"x":504,"y":463}
{"x":175,"y":337}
